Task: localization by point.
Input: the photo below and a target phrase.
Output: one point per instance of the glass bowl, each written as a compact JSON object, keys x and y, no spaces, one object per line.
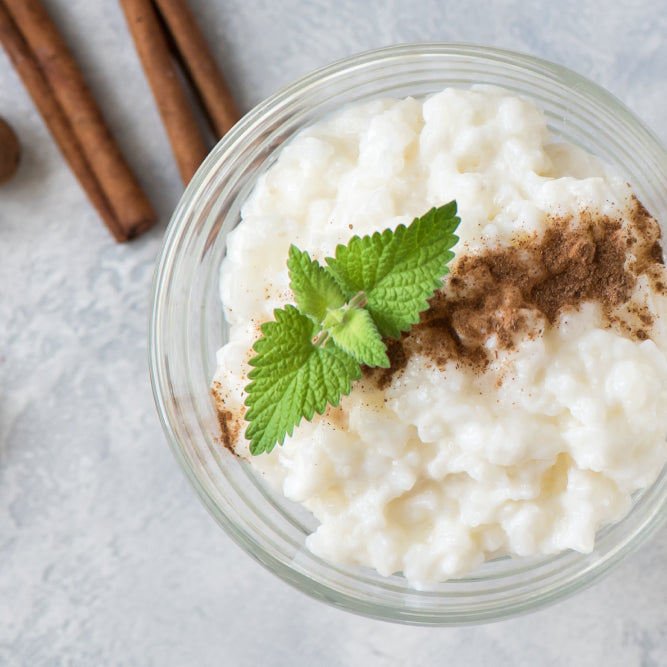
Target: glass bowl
{"x":187,"y":327}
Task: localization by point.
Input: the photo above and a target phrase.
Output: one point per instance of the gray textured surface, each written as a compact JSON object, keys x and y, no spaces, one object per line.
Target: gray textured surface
{"x":106,"y":555}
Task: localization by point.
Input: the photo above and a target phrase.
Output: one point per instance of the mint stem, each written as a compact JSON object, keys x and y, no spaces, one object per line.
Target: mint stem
{"x":321,"y":338}
{"x":359,"y":300}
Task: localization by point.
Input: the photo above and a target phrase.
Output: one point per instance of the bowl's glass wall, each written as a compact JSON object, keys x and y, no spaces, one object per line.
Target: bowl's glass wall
{"x":187,"y":326}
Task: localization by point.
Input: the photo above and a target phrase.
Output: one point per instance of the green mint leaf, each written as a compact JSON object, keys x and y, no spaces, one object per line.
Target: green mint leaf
{"x":292,"y":378}
{"x":375,"y":287}
{"x":315,"y":289}
{"x":353,"y":330}
{"x":398,"y":271}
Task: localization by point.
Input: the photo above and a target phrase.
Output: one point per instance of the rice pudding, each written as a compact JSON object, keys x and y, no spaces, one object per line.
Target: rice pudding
{"x":529,"y":403}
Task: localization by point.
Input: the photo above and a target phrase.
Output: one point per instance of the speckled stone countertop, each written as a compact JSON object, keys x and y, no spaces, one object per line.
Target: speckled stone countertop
{"x":106,"y":555}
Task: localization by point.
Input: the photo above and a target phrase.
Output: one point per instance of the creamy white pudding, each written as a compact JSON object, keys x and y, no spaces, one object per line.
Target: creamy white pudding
{"x":530,"y":402}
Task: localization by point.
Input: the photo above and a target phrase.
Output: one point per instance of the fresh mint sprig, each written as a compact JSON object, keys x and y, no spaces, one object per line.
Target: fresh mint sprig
{"x":374,"y":288}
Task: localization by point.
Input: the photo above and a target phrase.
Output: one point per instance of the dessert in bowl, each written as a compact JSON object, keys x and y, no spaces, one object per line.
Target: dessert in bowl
{"x":443,"y":490}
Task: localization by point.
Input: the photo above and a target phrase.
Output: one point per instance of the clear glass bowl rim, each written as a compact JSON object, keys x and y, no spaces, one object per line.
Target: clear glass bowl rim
{"x":174,"y":238}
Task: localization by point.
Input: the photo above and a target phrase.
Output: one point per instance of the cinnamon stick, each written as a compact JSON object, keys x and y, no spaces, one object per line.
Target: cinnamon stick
{"x":56,"y":84}
{"x":151,"y":43}
{"x":10,"y":151}
{"x":55,"y":119}
{"x":200,"y":65}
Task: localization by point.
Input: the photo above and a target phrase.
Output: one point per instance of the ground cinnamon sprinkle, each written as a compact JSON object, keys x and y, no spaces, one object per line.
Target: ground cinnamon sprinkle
{"x":230,"y":422}
{"x":515,"y":292}
{"x":398,"y":360}
{"x":229,"y":428}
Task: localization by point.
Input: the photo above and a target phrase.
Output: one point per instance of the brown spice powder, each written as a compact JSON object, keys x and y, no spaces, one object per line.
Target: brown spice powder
{"x":230,"y":421}
{"x":230,"y":426}
{"x":515,"y":292}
